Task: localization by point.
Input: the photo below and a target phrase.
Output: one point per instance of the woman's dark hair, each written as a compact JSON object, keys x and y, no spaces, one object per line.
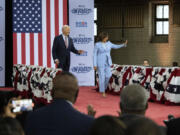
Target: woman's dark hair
{"x":5,"y":96}
{"x":10,"y":126}
{"x":107,"y":125}
{"x":101,"y":36}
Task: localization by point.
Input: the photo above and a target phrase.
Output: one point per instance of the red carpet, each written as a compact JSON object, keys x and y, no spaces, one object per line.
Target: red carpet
{"x":6,"y":88}
{"x":110,"y":105}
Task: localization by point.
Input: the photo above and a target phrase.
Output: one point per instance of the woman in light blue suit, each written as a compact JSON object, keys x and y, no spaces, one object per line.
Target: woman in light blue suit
{"x":102,"y":59}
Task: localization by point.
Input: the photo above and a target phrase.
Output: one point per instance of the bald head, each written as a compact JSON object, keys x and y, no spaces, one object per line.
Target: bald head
{"x":65,"y":86}
{"x":66,"y":30}
{"x":134,"y":99}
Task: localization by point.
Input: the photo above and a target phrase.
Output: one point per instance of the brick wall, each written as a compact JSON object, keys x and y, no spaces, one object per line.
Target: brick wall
{"x":139,"y":38}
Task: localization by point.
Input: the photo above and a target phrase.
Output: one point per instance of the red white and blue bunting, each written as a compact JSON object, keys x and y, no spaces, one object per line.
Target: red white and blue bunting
{"x":34,"y":82}
{"x":162,"y":83}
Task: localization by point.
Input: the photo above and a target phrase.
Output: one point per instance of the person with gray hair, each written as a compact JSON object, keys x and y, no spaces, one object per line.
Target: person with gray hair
{"x":62,"y":46}
{"x":133,"y":100}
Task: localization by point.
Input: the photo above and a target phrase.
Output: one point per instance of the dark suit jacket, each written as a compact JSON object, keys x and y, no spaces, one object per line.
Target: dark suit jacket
{"x":60,"y":52}
{"x":58,"y":118}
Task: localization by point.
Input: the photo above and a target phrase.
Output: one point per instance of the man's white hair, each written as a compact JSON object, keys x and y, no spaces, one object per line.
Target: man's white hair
{"x":65,"y":26}
{"x":134,"y":98}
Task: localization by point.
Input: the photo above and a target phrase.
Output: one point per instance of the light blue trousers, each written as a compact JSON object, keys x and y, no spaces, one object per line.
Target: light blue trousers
{"x":104,"y":76}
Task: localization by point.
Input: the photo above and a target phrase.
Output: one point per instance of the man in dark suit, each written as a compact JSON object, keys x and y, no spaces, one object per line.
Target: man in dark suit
{"x":62,"y":47}
{"x":60,"y":117}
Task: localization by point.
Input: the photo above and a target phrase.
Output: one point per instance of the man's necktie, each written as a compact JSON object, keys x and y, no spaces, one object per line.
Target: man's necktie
{"x":66,"y":41}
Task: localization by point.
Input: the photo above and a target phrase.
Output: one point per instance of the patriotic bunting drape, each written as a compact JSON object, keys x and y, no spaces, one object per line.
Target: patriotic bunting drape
{"x":162,"y":83}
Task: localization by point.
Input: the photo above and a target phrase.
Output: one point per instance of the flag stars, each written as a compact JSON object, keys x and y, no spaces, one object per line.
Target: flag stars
{"x":27,"y":16}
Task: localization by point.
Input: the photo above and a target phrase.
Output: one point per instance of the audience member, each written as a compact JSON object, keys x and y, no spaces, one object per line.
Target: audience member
{"x":60,"y":117}
{"x":107,"y":125}
{"x":6,"y":105}
{"x":175,"y":64}
{"x":144,"y":126}
{"x":173,"y":125}
{"x":146,"y":62}
{"x":133,"y":104}
{"x":134,"y":100}
{"x":10,"y":126}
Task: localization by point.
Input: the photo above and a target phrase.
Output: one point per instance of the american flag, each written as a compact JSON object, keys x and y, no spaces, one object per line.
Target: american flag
{"x":35,"y":24}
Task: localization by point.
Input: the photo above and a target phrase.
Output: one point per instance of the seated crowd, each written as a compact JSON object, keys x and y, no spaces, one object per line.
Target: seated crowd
{"x":61,"y":118}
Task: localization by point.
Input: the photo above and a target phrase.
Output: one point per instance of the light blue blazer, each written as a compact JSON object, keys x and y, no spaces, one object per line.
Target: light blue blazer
{"x":102,"y":54}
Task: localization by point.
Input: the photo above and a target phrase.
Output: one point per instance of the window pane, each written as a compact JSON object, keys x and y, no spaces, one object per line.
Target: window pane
{"x":159,"y":12}
{"x":166,"y":27}
{"x":166,"y":11}
{"x":159,"y":27}
{"x":95,"y":14}
{"x":95,"y":29}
